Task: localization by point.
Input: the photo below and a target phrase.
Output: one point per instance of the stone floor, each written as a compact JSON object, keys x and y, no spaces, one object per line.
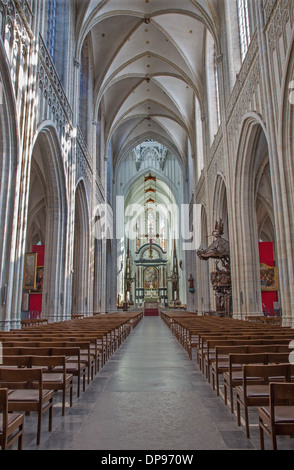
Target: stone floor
{"x":149,"y":396}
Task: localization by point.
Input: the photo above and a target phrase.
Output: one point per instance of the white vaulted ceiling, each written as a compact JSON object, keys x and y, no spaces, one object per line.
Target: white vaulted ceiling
{"x":149,"y":67}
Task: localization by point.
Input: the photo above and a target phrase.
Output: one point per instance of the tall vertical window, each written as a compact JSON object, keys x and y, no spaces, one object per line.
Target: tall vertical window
{"x":151,"y":226}
{"x":162,"y":228}
{"x":51,"y":27}
{"x":217,"y":96}
{"x":244,"y":26}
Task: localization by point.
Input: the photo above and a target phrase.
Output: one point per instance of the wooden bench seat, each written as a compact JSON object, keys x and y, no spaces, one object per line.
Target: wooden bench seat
{"x":26,"y":393}
{"x":278,"y":417}
{"x":220,"y":364}
{"x":98,"y":342}
{"x":33,"y":322}
{"x":77,"y":368}
{"x":85,"y":355}
{"x":195,"y":335}
{"x":208,"y":356}
{"x":257,"y":394}
{"x":233,"y":377}
{"x":11,"y":424}
{"x":52,"y":379}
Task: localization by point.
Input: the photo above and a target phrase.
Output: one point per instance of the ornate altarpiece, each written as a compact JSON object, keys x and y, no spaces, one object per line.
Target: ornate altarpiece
{"x":151,"y":275}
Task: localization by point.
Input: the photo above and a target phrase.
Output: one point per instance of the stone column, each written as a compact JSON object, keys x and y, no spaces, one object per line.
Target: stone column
{"x":281,"y":197}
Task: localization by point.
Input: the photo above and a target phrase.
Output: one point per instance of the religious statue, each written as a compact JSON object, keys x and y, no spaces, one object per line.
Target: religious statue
{"x":174,"y":279}
{"x":191,"y":284}
{"x":218,"y":229}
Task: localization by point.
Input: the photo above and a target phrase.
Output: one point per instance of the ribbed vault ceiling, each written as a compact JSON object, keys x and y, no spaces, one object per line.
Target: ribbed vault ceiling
{"x":149,"y":67}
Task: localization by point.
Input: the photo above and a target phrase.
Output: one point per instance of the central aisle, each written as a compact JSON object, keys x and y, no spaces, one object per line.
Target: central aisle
{"x":149,"y":396}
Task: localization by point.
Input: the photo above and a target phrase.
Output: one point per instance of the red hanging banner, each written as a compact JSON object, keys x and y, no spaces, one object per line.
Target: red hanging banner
{"x":268,"y":276}
{"x":36,"y":298}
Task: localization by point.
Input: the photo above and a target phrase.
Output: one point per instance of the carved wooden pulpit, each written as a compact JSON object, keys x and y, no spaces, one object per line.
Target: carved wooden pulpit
{"x":220,"y":279}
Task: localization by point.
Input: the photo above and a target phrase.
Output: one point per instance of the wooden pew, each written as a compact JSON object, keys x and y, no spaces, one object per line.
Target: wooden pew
{"x":220,"y":364}
{"x":85,"y":355}
{"x":234,"y":375}
{"x":98,"y":342}
{"x":75,"y":367}
{"x":278,"y":417}
{"x":208,"y":354}
{"x":257,"y":395}
{"x":11,"y":424}
{"x":33,"y":322}
{"x":26,"y":393}
{"x":55,"y":376}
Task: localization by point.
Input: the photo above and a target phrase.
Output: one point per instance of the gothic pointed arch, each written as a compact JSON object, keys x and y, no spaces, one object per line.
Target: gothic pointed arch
{"x":202,"y":269}
{"x":48,"y":210}
{"x":81,"y":256}
{"x":252,"y":187}
{"x":220,"y":205}
{"x":10,"y":267}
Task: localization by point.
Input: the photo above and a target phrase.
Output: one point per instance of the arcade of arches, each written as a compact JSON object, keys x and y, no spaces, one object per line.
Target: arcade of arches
{"x":137,"y":138}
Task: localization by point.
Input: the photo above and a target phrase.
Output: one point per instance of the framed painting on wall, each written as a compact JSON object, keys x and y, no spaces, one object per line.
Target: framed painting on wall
{"x":30,"y":271}
{"x":39,"y":278}
{"x":25,"y":302}
{"x":269,"y":278}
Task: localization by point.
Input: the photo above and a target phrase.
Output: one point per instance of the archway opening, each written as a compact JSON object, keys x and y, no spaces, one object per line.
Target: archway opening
{"x":254,"y":250}
{"x":45,"y":288}
{"x":80,"y":292}
{"x":151,"y":251}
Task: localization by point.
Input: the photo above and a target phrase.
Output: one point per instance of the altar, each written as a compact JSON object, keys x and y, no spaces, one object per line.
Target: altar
{"x":151,"y":295}
{"x":151,"y":309}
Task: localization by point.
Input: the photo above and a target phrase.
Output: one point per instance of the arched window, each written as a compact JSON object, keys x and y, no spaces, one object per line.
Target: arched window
{"x":244,"y":26}
{"x":212,"y":80}
{"x":51,"y":27}
{"x":58,"y":35}
{"x":217,"y":95}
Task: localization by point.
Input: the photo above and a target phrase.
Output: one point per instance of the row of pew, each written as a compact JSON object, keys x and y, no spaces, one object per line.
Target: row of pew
{"x":247,"y":363}
{"x":45,"y":358}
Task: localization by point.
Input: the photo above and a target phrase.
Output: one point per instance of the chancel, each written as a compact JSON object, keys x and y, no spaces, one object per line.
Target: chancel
{"x":146,"y":195}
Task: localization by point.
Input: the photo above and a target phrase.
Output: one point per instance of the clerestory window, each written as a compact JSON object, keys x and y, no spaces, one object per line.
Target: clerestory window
{"x":244,"y":26}
{"x":217,"y":94}
{"x":51,"y":27}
